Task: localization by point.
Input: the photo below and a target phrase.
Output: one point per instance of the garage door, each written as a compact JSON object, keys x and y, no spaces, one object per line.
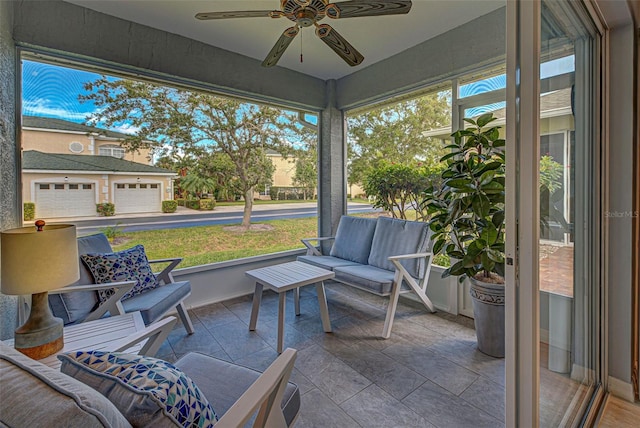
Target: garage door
{"x":137,"y":198}
{"x":65,"y":200}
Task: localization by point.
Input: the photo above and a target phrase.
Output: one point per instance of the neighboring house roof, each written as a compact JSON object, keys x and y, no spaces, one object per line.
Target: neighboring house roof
{"x":64,"y":125}
{"x":550,"y":102}
{"x":35,"y":160}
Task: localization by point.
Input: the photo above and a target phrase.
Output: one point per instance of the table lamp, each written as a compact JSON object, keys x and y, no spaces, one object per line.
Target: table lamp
{"x":34,"y":261}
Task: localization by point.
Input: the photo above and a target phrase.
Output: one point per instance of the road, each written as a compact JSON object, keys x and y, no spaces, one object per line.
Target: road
{"x":189,"y":218}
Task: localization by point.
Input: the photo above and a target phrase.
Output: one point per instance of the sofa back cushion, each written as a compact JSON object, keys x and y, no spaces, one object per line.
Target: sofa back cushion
{"x":395,"y":237}
{"x":74,"y":307}
{"x":33,"y":395}
{"x":353,"y":239}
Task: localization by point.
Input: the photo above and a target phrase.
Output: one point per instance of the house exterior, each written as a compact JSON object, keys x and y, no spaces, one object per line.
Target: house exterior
{"x":68,"y":168}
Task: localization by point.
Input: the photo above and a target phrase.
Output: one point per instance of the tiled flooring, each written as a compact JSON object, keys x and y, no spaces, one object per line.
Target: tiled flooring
{"x":428,"y":374}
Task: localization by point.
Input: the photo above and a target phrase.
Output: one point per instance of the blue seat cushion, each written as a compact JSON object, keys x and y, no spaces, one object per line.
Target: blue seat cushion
{"x":353,"y":239}
{"x":395,"y":237}
{"x":325,"y":262}
{"x":223,"y":383}
{"x":371,"y":278}
{"x":154,"y":303}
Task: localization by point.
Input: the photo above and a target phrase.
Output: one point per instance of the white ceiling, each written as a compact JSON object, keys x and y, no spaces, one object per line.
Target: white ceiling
{"x":376,"y":38}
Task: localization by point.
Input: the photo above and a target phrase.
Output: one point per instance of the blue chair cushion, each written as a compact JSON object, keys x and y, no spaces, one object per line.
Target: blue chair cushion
{"x":146,"y":390}
{"x":370,"y":278}
{"x":326,"y":262}
{"x":395,"y":237}
{"x":353,"y":239}
{"x":155,"y":303}
{"x":74,"y":307}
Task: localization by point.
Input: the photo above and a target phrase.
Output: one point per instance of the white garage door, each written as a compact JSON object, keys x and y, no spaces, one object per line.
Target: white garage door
{"x":137,"y":198}
{"x":65,"y":200}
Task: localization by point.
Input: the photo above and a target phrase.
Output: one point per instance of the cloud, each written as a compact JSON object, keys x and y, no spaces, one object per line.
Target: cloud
{"x":42,"y":107}
{"x":125,"y":128}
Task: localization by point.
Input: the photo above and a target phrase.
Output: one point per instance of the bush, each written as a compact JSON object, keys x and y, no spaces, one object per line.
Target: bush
{"x":207,"y":204}
{"x":106,"y":209}
{"x":169,"y":206}
{"x":181,"y":202}
{"x":193,"y":204}
{"x":29,"y":211}
{"x":112,"y":232}
{"x":289,"y":193}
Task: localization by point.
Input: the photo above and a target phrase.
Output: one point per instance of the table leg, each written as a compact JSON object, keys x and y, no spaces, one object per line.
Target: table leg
{"x":324,"y":310}
{"x":281,"y":307}
{"x":296,"y":300}
{"x":257,"y":298}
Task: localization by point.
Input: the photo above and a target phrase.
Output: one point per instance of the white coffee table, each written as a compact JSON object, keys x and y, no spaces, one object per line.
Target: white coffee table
{"x":124,"y":333}
{"x":289,"y":276}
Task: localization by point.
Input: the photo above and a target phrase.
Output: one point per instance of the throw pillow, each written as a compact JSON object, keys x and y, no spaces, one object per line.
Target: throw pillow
{"x":147,"y":391}
{"x":125,"y":265}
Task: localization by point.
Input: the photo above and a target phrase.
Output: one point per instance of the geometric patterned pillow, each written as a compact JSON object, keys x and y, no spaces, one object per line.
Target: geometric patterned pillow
{"x":147,"y":391}
{"x":125,"y":265}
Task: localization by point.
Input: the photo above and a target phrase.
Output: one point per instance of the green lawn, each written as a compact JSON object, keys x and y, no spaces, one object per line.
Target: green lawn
{"x":209,"y":244}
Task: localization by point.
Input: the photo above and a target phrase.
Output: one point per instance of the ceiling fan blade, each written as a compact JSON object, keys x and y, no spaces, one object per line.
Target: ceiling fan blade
{"x":234,"y":14}
{"x":338,"y":43}
{"x":281,"y":45}
{"x":353,"y":9}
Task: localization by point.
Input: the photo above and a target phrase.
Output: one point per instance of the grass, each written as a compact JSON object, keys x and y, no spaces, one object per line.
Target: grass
{"x":210,"y":244}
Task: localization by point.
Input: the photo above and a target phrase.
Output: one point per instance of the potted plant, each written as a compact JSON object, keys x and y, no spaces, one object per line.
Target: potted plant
{"x":467,"y":220}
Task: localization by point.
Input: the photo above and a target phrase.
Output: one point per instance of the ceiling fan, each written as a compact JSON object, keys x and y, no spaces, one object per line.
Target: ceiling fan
{"x":306,"y":13}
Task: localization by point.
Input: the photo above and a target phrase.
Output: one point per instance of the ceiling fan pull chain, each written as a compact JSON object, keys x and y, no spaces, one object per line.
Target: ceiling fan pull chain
{"x":301,"y":60}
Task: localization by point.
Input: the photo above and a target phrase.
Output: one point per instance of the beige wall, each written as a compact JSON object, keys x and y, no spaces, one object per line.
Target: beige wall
{"x":104,"y":183}
{"x":58,"y":142}
{"x":285,"y":170}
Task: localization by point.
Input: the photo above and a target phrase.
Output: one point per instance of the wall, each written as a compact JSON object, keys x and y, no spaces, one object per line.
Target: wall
{"x":9,"y":197}
{"x":58,"y":142}
{"x":620,"y":202}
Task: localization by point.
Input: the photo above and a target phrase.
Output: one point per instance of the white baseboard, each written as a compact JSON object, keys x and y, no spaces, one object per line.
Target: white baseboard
{"x":621,"y":389}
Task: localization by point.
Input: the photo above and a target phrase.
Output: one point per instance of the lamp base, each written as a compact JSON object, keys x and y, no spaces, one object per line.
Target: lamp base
{"x":42,"y":334}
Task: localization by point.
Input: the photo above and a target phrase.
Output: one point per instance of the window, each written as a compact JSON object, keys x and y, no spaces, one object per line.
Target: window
{"x":111,"y":150}
{"x":87,"y":186}
{"x":143,"y":186}
{"x":58,"y":186}
{"x":119,"y":186}
{"x":154,"y":186}
{"x":73,"y":187}
{"x":132,"y":186}
{"x":44,"y":186}
{"x":76,"y":147}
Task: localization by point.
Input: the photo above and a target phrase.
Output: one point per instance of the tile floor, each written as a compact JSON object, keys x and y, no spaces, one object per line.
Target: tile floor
{"x":428,"y":374}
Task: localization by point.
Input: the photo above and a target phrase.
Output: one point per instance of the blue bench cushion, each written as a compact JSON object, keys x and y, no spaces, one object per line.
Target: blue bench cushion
{"x":223,"y":383}
{"x":353,"y":239}
{"x":371,"y":278}
{"x":152,"y":305}
{"x":395,"y":237}
{"x":74,"y":307}
{"x":325,"y":262}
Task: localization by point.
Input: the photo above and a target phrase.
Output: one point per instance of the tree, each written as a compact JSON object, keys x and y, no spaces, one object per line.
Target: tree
{"x":395,"y":134}
{"x":193,"y":123}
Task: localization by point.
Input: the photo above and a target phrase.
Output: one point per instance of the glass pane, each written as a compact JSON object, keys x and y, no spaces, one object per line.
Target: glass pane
{"x":566,"y":163}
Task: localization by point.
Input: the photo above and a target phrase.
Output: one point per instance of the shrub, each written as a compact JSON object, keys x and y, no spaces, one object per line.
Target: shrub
{"x":106,"y":209}
{"x":193,"y":204}
{"x":112,"y":232}
{"x":29,"y":211}
{"x":207,"y":204}
{"x":181,"y":202}
{"x":169,"y":206}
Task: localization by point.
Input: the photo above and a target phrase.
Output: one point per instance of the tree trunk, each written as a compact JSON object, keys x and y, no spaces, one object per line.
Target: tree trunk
{"x":248,"y":206}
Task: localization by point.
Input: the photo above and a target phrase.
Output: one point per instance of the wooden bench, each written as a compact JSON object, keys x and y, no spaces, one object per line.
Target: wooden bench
{"x":383,"y":256}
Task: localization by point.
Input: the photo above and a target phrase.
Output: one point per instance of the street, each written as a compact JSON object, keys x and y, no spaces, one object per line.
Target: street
{"x":190,"y":218}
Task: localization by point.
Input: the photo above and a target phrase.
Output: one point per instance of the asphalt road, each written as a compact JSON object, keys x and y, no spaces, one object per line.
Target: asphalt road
{"x":189,"y":218}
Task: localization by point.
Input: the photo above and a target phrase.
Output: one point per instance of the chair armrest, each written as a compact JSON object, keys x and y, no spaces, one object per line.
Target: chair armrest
{"x":409,"y":256}
{"x":113,"y":305}
{"x":265,"y":393}
{"x":151,"y":337}
{"x":312,"y":250}
{"x":165,"y":274}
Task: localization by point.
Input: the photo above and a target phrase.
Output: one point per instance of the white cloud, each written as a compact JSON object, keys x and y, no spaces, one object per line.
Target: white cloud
{"x":39,"y":107}
{"x":126,"y":128}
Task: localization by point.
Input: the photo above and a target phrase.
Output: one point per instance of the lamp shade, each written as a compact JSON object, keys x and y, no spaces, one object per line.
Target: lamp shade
{"x":34,"y":262}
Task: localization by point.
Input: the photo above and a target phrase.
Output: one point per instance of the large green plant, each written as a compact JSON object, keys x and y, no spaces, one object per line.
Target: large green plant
{"x":468,"y":210}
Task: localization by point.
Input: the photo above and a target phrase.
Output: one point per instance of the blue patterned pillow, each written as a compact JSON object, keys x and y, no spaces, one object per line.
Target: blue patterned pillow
{"x":145,"y":390}
{"x":125,"y":265}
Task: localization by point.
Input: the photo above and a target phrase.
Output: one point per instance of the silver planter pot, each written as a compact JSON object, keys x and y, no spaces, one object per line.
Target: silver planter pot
{"x":488,"y":311}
